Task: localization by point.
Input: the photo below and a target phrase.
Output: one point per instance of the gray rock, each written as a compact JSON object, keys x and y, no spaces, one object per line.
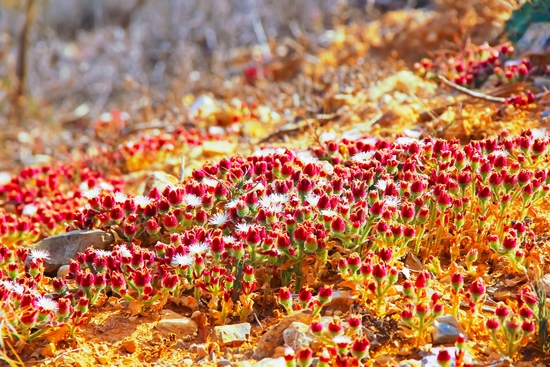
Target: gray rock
{"x":223,"y":363}
{"x":172,"y":322}
{"x":271,"y":362}
{"x":231,"y":334}
{"x":296,"y":336}
{"x":273,"y":338}
{"x":446,"y":329}
{"x":64,"y":247}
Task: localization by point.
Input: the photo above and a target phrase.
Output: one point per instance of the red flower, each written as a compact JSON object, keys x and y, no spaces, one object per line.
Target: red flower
{"x":492,"y":324}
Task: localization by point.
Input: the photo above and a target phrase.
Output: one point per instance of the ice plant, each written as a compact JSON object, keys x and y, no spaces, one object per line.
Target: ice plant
{"x":420,"y":316}
{"x":509,"y":330}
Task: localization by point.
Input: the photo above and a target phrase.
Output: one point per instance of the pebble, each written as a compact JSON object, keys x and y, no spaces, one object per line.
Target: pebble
{"x":273,"y":337}
{"x":231,"y":335}
{"x":172,"y":322}
{"x":446,"y":329}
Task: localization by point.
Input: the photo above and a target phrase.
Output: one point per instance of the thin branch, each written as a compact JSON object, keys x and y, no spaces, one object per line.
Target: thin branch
{"x":471,"y":93}
{"x":21,"y":65}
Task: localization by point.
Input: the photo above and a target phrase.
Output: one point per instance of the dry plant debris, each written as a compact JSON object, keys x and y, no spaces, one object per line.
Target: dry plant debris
{"x":316,"y":209}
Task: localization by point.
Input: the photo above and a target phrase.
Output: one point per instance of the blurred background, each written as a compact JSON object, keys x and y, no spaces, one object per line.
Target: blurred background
{"x":64,"y":63}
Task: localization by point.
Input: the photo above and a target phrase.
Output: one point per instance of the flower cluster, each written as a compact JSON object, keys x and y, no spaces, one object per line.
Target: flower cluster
{"x":40,"y":202}
{"x":343,"y":345}
{"x":475,"y":65}
{"x":355,"y":206}
{"x":28,"y":310}
{"x":510,"y":329}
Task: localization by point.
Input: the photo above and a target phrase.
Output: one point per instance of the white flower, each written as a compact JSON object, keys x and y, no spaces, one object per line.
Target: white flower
{"x":369,"y":141}
{"x":120,"y":197}
{"x":232,"y":204}
{"x":192,"y":200}
{"x":242,"y":227}
{"x":259,"y":186}
{"x":92,"y":194}
{"x":30,"y":210}
{"x":276,"y":208}
{"x":381,"y":185}
{"x":392,"y":201}
{"x":124,"y":251}
{"x":14,"y":287}
{"x":404,"y":140}
{"x":219,"y":219}
{"x":106,"y":186}
{"x":538,"y":133}
{"x":500,"y":152}
{"x":229,"y":239}
{"x":329,"y":213}
{"x":362,"y":157}
{"x":268,"y":151}
{"x":210,"y":182}
{"x":182,"y":260}
{"x":142,"y":201}
{"x":312,"y":199}
{"x":102,"y":253}
{"x":38,"y":254}
{"x":340,"y":339}
{"x":278,"y":198}
{"x":47,"y":304}
{"x":328,"y":168}
{"x":198,"y":248}
{"x":306,"y":157}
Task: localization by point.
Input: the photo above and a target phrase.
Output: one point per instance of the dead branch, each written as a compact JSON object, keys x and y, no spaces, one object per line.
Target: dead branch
{"x":471,"y":93}
{"x":21,"y":65}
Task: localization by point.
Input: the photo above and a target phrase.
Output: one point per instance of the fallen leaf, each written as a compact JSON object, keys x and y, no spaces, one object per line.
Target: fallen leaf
{"x":58,"y":334}
{"x":135,"y":307}
{"x":191,"y":303}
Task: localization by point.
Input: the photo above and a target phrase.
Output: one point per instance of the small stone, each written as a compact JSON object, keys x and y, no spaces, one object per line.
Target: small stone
{"x":159,"y":180}
{"x":187,"y":362}
{"x":274,"y":336}
{"x":172,"y":322}
{"x":231,"y":335}
{"x":223,"y":363}
{"x":63,"y":271}
{"x":296,"y":335}
{"x":446,"y":329}
{"x":64,"y":247}
{"x":129,"y":345}
{"x":271,"y":362}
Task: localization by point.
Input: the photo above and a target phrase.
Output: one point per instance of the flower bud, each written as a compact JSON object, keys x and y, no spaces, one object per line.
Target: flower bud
{"x":304,"y":357}
{"x":316,"y":328}
{"x":325,"y":295}
{"x":477,"y":290}
{"x":360,"y":348}
{"x":444,"y":358}
{"x":285,"y":298}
